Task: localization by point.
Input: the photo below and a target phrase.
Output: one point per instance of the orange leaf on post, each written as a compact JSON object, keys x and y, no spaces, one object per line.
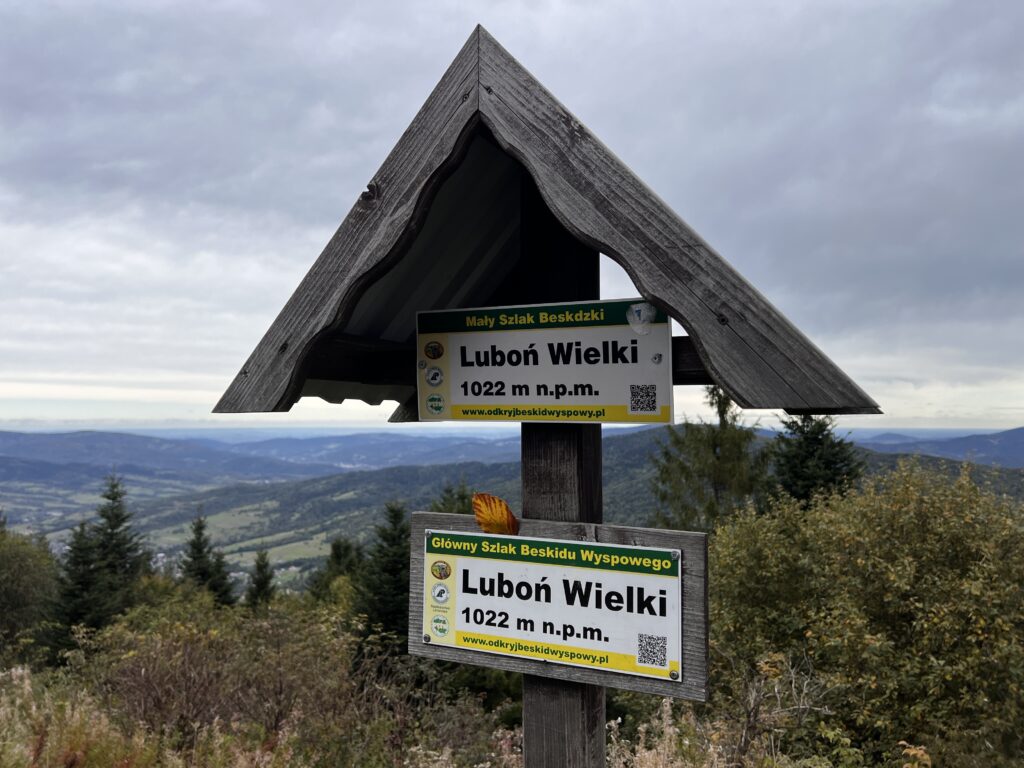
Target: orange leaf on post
{"x":493,"y":515}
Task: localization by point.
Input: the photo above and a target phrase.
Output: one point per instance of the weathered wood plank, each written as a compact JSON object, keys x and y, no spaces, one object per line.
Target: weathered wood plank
{"x":746,"y":344}
{"x":693,"y":685}
{"x":351,"y":358}
{"x":407,"y":411}
{"x":563,"y":724}
{"x":561,"y":468}
{"x":687,"y":367}
{"x":373,"y":228}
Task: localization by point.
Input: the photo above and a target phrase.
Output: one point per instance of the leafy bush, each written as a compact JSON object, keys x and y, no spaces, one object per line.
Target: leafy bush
{"x":905,"y":602}
{"x":883,"y":627}
{"x":28,"y":593}
{"x":188,"y":667}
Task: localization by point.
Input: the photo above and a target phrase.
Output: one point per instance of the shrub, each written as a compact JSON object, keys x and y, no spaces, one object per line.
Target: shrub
{"x":907,"y":602}
{"x":28,"y":593}
{"x":188,"y":668}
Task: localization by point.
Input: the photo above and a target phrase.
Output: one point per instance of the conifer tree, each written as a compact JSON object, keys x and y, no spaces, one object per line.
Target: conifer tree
{"x":103,"y":563}
{"x":345,"y":559}
{"x":197,"y":561}
{"x":79,"y":580}
{"x":382,"y":586}
{"x":220,"y":581}
{"x":809,"y":459}
{"x":261,"y":582}
{"x":206,"y":567}
{"x":454,"y":499}
{"x":121,"y":558}
{"x":706,"y":471}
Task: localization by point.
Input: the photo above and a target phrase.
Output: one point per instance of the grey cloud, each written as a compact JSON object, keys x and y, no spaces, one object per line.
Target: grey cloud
{"x":169,"y":171}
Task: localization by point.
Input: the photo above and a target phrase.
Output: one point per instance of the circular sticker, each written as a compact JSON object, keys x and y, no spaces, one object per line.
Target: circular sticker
{"x":440,"y":569}
{"x":433,"y":349}
{"x":640,"y":316}
{"x":434,"y":376}
{"x":440,"y":593}
{"x":439,"y":626}
{"x":435,"y":404}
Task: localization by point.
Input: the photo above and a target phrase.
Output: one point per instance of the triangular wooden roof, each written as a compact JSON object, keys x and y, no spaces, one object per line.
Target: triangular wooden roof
{"x":744,"y":343}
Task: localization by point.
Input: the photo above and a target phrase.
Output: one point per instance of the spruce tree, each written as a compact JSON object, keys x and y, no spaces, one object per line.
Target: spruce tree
{"x":206,"y":567}
{"x":345,"y":559}
{"x":382,"y":586}
{"x":79,"y":580}
{"x":261,"y":582}
{"x":809,"y":459}
{"x":705,"y":471}
{"x":197,"y":562}
{"x":121,"y":558}
{"x":220,"y":581}
{"x":103,"y":564}
{"x":454,"y":499}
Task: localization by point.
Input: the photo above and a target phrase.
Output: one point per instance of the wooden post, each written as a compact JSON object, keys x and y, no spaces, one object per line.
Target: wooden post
{"x":563,"y":723}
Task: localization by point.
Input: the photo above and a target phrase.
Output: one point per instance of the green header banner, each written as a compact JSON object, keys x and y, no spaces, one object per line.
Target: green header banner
{"x":530,"y":317}
{"x":656,"y":562}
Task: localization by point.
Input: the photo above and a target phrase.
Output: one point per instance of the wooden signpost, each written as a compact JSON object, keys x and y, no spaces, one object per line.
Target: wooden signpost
{"x":602,"y":604}
{"x":497,"y":196}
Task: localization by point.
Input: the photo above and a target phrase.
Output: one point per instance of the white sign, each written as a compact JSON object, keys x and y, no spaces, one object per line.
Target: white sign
{"x":608,"y":361}
{"x":601,"y":606}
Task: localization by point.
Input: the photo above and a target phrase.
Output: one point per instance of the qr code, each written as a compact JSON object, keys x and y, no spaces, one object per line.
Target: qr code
{"x":643,"y":398}
{"x":652,"y":650}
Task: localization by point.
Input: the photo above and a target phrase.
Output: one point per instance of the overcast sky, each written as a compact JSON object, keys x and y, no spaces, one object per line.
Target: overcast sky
{"x":170,"y":170}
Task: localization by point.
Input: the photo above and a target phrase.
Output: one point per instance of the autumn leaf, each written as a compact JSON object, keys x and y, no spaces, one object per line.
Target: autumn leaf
{"x":493,"y":515}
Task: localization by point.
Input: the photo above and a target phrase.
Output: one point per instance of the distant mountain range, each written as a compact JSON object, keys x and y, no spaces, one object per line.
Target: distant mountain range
{"x":886,"y":438}
{"x":293,"y":495}
{"x":1002,"y":449}
{"x":297,"y":520}
{"x":199,"y":460}
{"x":51,"y":479}
{"x":376,"y":450}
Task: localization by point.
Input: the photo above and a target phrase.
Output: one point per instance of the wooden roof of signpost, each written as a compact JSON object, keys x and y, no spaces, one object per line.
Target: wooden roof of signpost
{"x":348,"y":330}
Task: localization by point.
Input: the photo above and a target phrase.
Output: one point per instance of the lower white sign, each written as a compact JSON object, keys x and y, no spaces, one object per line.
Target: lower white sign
{"x":602,"y":606}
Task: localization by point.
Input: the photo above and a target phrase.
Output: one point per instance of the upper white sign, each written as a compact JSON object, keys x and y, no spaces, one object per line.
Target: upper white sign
{"x":604,"y":361}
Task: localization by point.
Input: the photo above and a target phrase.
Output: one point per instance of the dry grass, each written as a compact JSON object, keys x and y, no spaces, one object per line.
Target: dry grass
{"x":58,"y":727}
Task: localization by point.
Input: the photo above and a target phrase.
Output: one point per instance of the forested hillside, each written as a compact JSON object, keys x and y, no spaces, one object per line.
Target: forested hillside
{"x":877,"y":627}
{"x":296,"y":519}
{"x":1003,"y":449}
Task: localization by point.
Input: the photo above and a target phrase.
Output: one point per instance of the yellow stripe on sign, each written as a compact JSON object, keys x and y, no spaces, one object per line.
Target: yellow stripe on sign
{"x":566,"y":654}
{"x":609,"y":413}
